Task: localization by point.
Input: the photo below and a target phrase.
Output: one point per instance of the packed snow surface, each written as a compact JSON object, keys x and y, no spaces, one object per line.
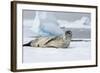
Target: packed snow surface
{"x":76,"y":51}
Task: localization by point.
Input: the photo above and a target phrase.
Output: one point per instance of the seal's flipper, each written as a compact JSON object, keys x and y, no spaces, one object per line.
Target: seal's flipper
{"x":27,"y":44}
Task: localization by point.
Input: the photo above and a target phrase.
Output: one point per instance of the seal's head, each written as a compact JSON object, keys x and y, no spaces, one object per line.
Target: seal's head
{"x":68,"y":34}
{"x":67,"y":38}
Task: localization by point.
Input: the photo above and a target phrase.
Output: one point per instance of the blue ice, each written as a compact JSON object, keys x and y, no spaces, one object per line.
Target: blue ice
{"x":46,"y":24}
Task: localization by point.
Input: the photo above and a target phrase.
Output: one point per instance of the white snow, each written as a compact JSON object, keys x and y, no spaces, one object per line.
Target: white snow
{"x":76,"y":51}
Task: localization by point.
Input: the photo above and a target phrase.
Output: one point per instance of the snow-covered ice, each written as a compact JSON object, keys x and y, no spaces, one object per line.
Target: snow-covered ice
{"x":76,"y":51}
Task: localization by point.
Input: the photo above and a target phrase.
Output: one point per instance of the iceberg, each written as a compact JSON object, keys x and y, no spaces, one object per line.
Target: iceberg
{"x":45,"y":24}
{"x":84,"y":22}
